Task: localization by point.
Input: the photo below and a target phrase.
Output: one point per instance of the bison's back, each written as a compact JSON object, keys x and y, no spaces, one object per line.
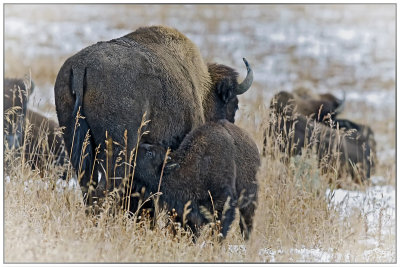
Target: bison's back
{"x":221,"y":154}
{"x":126,"y":77}
{"x":207,"y":154}
{"x":247,"y":158}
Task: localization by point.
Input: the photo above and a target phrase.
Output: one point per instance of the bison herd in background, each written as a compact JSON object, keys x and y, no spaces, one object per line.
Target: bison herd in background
{"x":307,"y":121}
{"x":39,"y":136}
{"x":102,"y":93}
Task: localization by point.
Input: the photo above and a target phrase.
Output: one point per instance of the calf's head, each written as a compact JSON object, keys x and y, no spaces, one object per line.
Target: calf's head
{"x":150,"y":159}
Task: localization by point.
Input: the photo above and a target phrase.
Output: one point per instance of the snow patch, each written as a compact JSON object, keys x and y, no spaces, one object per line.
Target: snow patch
{"x":387,"y":154}
{"x":378,"y":254}
{"x":346,"y":34}
{"x":72,"y":185}
{"x":374,"y":98}
{"x":377,"y":203}
{"x":313,"y":255}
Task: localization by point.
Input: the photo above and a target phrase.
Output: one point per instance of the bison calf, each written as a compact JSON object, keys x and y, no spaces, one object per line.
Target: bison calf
{"x":215,"y":164}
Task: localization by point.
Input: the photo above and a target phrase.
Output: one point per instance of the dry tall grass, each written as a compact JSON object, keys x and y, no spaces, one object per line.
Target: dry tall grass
{"x":46,"y":222}
{"x":294,"y":220}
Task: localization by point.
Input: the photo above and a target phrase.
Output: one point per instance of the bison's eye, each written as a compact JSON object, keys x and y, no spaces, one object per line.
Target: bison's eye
{"x":149,"y":154}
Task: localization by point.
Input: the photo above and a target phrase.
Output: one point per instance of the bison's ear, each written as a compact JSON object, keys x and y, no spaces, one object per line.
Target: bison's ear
{"x":224,"y":80}
{"x":225,"y":89}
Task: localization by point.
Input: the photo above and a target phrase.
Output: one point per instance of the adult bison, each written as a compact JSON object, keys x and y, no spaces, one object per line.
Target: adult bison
{"x":320,"y":106}
{"x":44,"y":144}
{"x":331,"y":145}
{"x":15,"y":101}
{"x":155,"y":70}
{"x":326,"y":108}
{"x":29,"y":130}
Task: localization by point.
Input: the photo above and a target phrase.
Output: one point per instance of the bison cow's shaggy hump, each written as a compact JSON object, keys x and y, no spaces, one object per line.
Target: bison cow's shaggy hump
{"x":156,"y":70}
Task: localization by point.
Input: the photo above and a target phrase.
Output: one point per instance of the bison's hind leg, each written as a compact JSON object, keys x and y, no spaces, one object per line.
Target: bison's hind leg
{"x":247,"y":207}
{"x":82,"y":155}
{"x":246,"y":221}
{"x":228,"y":213}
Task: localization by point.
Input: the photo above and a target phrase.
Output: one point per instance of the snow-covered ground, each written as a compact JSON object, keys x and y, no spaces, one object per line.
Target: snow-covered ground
{"x":325,"y":48}
{"x":286,"y":46}
{"x":377,"y":203}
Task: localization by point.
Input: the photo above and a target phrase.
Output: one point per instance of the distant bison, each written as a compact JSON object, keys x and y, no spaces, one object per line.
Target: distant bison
{"x":45,"y":143}
{"x":320,"y":106}
{"x":217,"y":158}
{"x":42,"y":142}
{"x":154,"y":70}
{"x":15,"y":101}
{"x":325,"y":108}
{"x":354,"y":153}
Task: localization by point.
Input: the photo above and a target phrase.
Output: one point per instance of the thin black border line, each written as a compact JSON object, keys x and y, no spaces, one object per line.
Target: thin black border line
{"x":121,"y":3}
{"x":199,"y":4}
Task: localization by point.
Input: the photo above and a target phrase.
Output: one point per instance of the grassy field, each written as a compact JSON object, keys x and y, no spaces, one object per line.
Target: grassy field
{"x":299,"y":218}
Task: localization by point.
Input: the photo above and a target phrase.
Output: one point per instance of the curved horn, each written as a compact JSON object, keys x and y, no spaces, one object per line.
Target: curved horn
{"x":340,"y":108}
{"x":245,"y":85}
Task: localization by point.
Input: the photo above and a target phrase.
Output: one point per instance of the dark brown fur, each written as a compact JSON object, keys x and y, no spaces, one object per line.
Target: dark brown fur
{"x":156,"y":70}
{"x":218,"y":157}
{"x":37,"y":150}
{"x":309,"y":104}
{"x":16,"y":90}
{"x":40,"y":151}
{"x":225,"y":103}
{"x":308,"y":133}
{"x":362,"y":133}
{"x":16,"y":94}
{"x":319,"y":106}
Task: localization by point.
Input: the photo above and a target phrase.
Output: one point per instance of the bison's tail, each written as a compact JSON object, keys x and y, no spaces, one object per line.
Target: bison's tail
{"x":82,"y":152}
